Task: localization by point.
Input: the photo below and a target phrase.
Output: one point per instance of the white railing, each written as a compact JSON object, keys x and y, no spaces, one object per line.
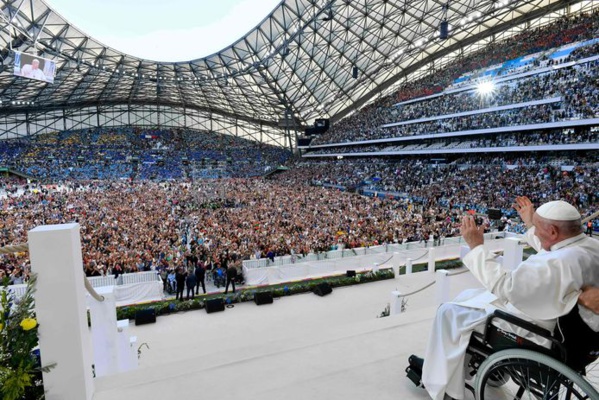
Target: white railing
{"x":360,"y":251}
{"x":128,"y":288}
{"x":101,"y":281}
{"x":124,"y":279}
{"x":140,"y":277}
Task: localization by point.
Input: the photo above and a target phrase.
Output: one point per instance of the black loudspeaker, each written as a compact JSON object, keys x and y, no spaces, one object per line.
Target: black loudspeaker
{"x":147,"y":316}
{"x":350,"y":273}
{"x":443,"y":30}
{"x":263,"y":298}
{"x":354,"y":72}
{"x":215,"y":305}
{"x":304,"y":142}
{"x":494,"y":213}
{"x":322,"y":289}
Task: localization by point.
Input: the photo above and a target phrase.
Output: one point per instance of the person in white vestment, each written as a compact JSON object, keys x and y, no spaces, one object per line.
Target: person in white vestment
{"x":541,"y":289}
{"x":33,"y":70}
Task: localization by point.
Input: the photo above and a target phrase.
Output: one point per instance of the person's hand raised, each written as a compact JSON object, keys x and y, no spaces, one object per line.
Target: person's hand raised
{"x":525,"y":210}
{"x":472,"y":234}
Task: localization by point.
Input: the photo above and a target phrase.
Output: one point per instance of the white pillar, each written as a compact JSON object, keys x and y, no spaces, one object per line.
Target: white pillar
{"x":395,"y":303}
{"x":64,"y":338}
{"x":124,"y":343}
{"x":512,"y":253}
{"x":396,"y":267}
{"x":133,"y":357}
{"x":431,"y":260}
{"x":408,"y":266}
{"x":442,"y":286}
{"x":104,"y":331}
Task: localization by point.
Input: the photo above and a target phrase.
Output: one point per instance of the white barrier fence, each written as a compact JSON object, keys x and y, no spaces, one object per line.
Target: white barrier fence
{"x":361,"y":251}
{"x":388,"y":255}
{"x":128,"y":288}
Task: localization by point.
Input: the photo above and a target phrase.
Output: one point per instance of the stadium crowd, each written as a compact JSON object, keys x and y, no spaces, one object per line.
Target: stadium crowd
{"x":145,"y":200}
{"x":475,"y":183}
{"x":138,"y":153}
{"x":137,"y":226}
{"x":577,"y":86}
{"x":130,"y":226}
{"x":519,"y":139}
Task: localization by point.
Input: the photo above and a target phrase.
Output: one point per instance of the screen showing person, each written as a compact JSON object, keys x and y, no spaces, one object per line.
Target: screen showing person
{"x":33,"y":67}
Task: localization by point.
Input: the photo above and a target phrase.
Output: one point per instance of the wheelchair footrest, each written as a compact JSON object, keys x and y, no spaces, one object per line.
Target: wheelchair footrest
{"x":415,"y":375}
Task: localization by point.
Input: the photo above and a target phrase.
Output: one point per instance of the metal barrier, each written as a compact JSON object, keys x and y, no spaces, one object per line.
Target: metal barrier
{"x":360,"y":251}
{"x":140,"y":277}
{"x":100,"y":281}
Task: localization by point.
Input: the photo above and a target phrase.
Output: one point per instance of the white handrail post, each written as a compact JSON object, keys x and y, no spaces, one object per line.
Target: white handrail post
{"x":396,"y":266}
{"x":442,"y":286}
{"x":431,"y":260}
{"x":395,"y":303}
{"x":408,"y":266}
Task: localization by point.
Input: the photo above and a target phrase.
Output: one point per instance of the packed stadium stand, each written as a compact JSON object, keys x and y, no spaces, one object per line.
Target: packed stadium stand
{"x":136,"y":153}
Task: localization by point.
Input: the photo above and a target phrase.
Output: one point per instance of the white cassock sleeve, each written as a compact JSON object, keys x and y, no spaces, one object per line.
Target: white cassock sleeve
{"x":532,"y":240}
{"x":543,"y":287}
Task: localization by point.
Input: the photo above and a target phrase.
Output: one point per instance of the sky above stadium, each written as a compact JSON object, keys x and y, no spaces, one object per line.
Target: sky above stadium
{"x":165,"y":30}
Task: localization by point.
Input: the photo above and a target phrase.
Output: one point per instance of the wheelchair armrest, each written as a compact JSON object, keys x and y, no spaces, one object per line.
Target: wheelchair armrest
{"x":512,"y":319}
{"x":529,"y":326}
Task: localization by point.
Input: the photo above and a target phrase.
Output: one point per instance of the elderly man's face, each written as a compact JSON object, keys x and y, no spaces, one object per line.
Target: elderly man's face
{"x":35,"y":64}
{"x":546,"y":232}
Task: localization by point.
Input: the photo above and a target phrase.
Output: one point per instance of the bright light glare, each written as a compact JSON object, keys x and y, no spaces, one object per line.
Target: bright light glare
{"x":485,"y":88}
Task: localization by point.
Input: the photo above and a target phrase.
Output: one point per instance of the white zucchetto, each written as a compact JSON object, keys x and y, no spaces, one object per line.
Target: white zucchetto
{"x":558,"y":211}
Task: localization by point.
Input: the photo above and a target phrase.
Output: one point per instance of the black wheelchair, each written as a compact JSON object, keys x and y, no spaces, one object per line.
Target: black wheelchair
{"x":507,"y":366}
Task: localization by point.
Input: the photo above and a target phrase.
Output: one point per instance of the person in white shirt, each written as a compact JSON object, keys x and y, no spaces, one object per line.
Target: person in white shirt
{"x":541,"y":289}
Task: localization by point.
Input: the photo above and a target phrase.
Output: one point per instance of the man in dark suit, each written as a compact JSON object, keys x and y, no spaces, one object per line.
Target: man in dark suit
{"x":231,"y":275}
{"x":200,"y":273}
{"x":190,"y":282}
{"x":180,"y":279}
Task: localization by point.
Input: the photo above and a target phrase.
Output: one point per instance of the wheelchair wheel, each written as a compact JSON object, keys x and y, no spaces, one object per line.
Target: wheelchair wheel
{"x":532,"y":375}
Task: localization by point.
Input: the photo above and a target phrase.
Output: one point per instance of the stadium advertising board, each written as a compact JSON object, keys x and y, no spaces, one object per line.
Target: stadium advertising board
{"x":34,"y":67}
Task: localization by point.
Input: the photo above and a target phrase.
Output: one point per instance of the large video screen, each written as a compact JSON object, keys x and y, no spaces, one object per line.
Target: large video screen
{"x":34,"y":67}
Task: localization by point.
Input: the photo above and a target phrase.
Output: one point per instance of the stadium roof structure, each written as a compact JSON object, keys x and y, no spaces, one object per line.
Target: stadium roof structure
{"x":307,"y":59}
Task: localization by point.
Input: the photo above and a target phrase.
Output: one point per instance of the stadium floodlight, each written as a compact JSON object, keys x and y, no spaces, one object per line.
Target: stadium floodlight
{"x":485,"y":88}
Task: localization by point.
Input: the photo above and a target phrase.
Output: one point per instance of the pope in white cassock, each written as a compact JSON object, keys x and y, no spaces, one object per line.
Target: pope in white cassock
{"x":541,"y":289}
{"x":33,"y":70}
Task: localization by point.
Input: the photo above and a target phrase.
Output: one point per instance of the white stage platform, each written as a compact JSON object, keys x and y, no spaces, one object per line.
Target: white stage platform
{"x":300,"y":347}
